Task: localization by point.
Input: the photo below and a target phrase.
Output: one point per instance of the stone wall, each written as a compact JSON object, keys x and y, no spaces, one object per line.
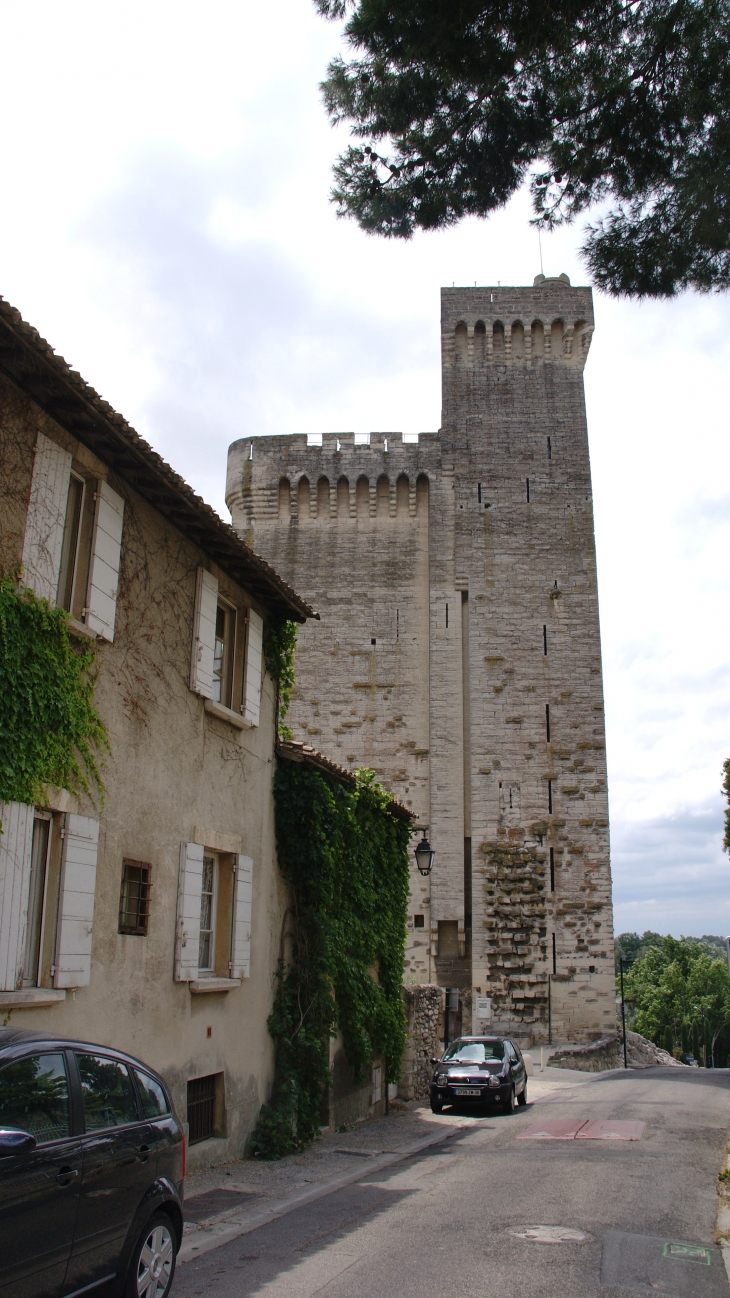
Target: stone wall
{"x":424,"y":1010}
{"x":459,"y":650}
{"x":600,"y":1056}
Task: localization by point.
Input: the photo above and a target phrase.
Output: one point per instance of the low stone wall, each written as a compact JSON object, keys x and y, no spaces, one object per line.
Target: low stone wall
{"x":424,"y":1013}
{"x":597,"y":1058}
{"x":644,"y":1054}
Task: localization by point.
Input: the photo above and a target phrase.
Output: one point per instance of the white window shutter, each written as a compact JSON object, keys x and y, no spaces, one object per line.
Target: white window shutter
{"x":101,"y":601}
{"x":254,"y":664}
{"x":16,"y":843}
{"x":46,"y":517}
{"x":241,"y":939}
{"x":206,"y":607}
{"x":76,"y":902}
{"x":190,"y":887}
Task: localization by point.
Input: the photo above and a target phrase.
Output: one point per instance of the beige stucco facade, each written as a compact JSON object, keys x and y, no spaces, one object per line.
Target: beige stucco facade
{"x":180,"y":775}
{"x":459,"y":651}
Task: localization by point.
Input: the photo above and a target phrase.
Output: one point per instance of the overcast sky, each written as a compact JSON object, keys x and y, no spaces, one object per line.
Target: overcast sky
{"x":165,"y":224}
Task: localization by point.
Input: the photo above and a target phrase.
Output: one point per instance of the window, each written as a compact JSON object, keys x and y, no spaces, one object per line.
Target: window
{"x":134,"y":902}
{"x":223,"y":654}
{"x":109,"y":1099}
{"x":204,"y":1101}
{"x":38,"y":872}
{"x":34,"y":1097}
{"x":154,"y":1100}
{"x":208,"y":898}
{"x":227,"y":664}
{"x":70,"y":544}
{"x":418,"y":921}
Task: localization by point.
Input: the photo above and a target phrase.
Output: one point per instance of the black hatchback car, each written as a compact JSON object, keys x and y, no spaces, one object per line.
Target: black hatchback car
{"x":91,"y":1171}
{"x":479,"y":1070}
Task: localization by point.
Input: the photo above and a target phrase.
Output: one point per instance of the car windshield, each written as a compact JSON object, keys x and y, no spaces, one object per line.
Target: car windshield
{"x":474,"y":1052}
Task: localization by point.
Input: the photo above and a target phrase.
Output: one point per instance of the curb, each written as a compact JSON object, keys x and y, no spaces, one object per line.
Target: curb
{"x":223,"y":1229}
{"x":722,"y":1227}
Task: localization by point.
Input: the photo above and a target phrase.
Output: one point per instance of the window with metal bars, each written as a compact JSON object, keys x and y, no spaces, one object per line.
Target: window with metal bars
{"x":201,"y":1108}
{"x":134,"y":900}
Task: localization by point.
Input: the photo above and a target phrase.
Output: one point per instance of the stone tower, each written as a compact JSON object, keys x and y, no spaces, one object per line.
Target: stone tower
{"x":459,"y":652}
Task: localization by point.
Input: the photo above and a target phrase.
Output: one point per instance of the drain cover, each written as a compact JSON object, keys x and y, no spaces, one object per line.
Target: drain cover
{"x":647,"y":1264}
{"x":549,"y":1234}
{"x":201,"y":1206}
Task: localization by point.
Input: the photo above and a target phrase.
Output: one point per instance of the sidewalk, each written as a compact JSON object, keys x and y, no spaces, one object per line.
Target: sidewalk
{"x":235,"y":1198}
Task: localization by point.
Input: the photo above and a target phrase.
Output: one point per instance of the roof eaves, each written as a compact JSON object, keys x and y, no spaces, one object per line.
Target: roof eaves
{"x":31,"y":362}
{"x":292,"y":750}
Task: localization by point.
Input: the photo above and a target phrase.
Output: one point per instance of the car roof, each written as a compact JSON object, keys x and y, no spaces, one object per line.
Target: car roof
{"x":479,"y":1038}
{"x":13,"y":1039}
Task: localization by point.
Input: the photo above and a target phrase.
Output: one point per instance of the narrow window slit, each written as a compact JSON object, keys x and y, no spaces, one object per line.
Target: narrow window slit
{"x":550,"y":449}
{"x":544,"y":640}
{"x":527,"y":481}
{"x":547,"y":721}
{"x":447,"y":617}
{"x":550,"y":797}
{"x":555,"y":956}
{"x":552,"y":869}
{"x":479,"y":492}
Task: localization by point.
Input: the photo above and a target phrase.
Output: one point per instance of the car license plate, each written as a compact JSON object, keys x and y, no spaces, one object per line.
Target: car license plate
{"x":467,"y":1090}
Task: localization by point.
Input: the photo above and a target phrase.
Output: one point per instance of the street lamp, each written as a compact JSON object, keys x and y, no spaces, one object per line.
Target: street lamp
{"x":424,"y":855}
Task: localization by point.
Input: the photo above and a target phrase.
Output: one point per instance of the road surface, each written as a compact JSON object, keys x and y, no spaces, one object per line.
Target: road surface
{"x":491,"y":1215}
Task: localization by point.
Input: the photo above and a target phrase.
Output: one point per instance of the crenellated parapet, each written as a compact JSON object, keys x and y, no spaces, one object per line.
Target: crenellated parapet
{"x":291,"y":481}
{"x":548,"y":324}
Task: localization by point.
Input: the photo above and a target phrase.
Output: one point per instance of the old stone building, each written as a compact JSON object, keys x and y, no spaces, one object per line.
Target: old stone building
{"x":459,"y":654}
{"x":151,"y":920}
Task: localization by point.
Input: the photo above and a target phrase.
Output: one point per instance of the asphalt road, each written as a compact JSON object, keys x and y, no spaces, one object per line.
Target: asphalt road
{"x":457,"y":1221}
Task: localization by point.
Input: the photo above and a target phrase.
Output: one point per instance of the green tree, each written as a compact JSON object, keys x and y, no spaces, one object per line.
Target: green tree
{"x":630,"y":946}
{"x":596,"y":101}
{"x":678,"y":994}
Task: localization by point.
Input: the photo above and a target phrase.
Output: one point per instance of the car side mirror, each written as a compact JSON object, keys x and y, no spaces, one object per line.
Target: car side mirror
{"x":13,"y":1141}
{"x":435,"y":1061}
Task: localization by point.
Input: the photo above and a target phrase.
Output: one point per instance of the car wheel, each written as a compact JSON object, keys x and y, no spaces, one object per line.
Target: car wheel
{"x":437,"y":1106}
{"x":509,"y":1102}
{"x":153,"y":1261}
{"x":522,"y":1098}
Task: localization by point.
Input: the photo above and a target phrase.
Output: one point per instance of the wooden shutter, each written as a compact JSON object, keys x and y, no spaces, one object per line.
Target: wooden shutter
{"x":46,"y":516}
{"x":252,"y":686}
{"x":241,"y":935}
{"x":76,"y":902}
{"x":206,"y":608}
{"x":101,"y":601}
{"x":16,"y":843}
{"x":190,"y":885}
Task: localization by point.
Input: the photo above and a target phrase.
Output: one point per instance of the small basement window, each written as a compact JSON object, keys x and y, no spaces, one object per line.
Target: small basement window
{"x":134,"y":900}
{"x":205,"y":1107}
{"x":418,"y":921}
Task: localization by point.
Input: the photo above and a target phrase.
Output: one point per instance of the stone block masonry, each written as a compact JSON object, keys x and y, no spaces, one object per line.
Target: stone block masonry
{"x":459,"y":652}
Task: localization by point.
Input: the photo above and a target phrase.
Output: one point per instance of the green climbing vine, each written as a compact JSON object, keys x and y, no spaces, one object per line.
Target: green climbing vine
{"x":280,"y":642}
{"x":344,"y":855}
{"x":50,"y":731}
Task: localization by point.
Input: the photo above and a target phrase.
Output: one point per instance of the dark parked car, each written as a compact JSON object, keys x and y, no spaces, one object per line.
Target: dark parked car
{"x":91,"y":1171}
{"x":479,"y":1070}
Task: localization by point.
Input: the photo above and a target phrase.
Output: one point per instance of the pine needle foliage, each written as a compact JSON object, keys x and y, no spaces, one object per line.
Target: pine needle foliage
{"x":344,"y":856}
{"x":50,"y":731}
{"x":453,"y":105}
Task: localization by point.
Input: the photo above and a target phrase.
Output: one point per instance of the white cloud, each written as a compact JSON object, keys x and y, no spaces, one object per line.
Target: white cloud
{"x":167,"y":227}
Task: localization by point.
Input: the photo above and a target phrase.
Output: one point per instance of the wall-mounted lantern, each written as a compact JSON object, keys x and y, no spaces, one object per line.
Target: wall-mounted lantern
{"x":424,"y":855}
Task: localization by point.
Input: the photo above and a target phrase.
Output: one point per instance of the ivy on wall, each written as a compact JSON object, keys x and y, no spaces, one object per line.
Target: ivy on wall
{"x":50,"y":731}
{"x":344,"y":855}
{"x":280,"y":642}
